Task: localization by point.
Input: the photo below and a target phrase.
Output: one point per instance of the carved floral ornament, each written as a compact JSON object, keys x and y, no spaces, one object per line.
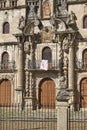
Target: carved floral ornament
{"x":7,"y":76}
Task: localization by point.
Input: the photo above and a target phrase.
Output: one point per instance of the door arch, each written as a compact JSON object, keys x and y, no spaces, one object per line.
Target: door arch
{"x":47,"y":94}
{"x":83,"y":91}
{"x":5,"y":93}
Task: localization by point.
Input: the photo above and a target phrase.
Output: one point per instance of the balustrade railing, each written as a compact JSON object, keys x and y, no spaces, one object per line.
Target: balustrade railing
{"x":36,"y":65}
{"x":7,"y":66}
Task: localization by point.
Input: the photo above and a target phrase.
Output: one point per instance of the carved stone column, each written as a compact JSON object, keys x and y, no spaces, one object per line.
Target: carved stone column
{"x":20,"y":79}
{"x":30,"y":87}
{"x":27,"y":84}
{"x":20,"y":67}
{"x":71,"y":68}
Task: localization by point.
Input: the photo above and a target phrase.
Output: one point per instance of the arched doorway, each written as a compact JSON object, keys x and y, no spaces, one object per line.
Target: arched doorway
{"x":83,"y":91}
{"x":47,"y":94}
{"x":5,"y":93}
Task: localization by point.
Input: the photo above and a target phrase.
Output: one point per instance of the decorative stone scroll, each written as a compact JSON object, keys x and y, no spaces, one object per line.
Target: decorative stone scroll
{"x":29,"y":28}
{"x":63,"y":95}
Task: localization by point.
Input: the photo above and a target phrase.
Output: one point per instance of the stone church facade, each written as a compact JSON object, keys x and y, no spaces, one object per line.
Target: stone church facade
{"x":43,"y":52}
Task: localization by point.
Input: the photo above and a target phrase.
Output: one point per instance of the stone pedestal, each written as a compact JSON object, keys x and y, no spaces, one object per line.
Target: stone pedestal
{"x":62,"y":115}
{"x":62,"y":107}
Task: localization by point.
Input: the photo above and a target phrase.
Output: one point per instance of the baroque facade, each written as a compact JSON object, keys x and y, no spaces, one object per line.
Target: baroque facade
{"x":43,"y":51}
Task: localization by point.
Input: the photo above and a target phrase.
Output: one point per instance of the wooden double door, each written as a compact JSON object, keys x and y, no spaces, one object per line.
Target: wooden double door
{"x":83,"y":91}
{"x":47,"y":94}
{"x":5,"y":93}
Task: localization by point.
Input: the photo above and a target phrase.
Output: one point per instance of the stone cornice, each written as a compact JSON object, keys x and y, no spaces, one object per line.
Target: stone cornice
{"x":12,"y":8}
{"x":76,"y":1}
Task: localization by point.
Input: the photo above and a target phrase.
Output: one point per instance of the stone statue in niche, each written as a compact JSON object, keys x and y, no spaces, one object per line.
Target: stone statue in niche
{"x":21,"y":23}
{"x":71,"y":18}
{"x":46,"y":9}
{"x":27,"y":47}
{"x":65,"y":45}
{"x":62,"y":82}
{"x":46,"y":34}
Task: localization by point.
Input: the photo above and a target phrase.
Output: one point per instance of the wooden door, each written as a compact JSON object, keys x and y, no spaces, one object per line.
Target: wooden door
{"x":85,"y":59}
{"x":5,"y":93}
{"x":47,"y":94}
{"x":84,"y":93}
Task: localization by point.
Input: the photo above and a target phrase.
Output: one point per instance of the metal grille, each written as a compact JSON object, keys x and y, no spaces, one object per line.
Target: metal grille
{"x":16,"y":118}
{"x":77,"y":117}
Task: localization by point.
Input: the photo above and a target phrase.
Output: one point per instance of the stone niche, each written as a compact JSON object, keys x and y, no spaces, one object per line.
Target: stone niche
{"x":46,"y":9}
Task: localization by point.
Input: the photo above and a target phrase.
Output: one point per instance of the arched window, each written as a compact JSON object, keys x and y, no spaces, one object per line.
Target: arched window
{"x":6,"y":28}
{"x":85,"y":22}
{"x":47,"y":54}
{"x":85,"y":58}
{"x":5,"y":59}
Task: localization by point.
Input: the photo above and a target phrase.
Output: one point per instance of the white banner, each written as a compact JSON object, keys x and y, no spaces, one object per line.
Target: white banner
{"x":44,"y":65}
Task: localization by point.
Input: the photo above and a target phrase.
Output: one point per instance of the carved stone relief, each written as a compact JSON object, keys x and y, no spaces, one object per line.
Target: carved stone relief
{"x":7,"y":76}
{"x":46,"y":9}
{"x":46,"y":34}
